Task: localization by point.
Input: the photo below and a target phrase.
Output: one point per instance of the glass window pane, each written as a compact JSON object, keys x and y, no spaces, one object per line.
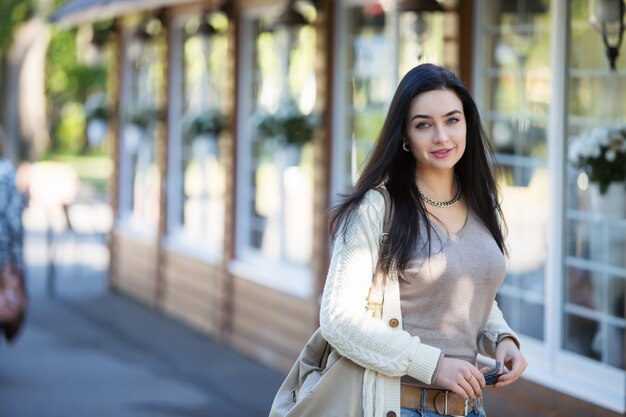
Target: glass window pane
{"x":616,"y":339}
{"x":616,"y":297}
{"x":580,"y":334}
{"x":377,"y":34}
{"x":143,"y":95}
{"x":281,"y":177}
{"x":203,"y":131}
{"x":516,"y":95}
{"x":584,"y":289}
{"x":528,"y":313}
{"x":595,"y":218}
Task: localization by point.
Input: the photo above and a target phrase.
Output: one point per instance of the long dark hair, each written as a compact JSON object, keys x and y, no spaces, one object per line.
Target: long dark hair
{"x":394,"y":168}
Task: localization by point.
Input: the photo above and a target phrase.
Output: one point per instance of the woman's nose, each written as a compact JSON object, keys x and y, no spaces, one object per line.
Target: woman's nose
{"x":440,"y":135}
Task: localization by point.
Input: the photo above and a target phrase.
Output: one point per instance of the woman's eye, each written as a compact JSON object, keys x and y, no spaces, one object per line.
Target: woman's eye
{"x":422,"y":125}
{"x":453,"y":121}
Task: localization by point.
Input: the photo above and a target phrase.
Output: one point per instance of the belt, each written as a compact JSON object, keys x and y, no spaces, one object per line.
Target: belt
{"x":443,"y":402}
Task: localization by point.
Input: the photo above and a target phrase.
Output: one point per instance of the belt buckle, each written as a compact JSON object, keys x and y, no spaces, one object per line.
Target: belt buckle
{"x":445,"y":404}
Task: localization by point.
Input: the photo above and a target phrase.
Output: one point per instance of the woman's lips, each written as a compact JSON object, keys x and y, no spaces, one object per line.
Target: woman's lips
{"x":442,"y":153}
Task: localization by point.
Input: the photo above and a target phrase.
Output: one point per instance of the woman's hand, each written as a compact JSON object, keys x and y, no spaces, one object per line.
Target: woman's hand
{"x":508,"y":353}
{"x":460,"y":377}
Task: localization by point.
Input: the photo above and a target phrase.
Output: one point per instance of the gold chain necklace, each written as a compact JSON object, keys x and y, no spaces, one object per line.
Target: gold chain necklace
{"x":444,"y":204}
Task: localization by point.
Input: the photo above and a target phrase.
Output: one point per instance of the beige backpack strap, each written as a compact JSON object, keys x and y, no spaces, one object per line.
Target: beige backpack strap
{"x":376,"y":294}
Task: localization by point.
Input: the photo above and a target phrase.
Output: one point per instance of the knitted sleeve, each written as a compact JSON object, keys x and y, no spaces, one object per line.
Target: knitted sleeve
{"x":496,"y":328}
{"x":344,"y":323}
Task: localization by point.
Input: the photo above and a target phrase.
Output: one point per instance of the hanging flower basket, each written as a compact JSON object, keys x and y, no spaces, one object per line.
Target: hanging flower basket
{"x":95,"y":108}
{"x":142,"y":117}
{"x":601,"y":153}
{"x":208,"y":123}
{"x":287,"y":126}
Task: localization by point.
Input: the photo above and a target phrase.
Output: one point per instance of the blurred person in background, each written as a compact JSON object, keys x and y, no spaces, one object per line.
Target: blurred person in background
{"x":445,"y":259}
{"x":13,"y":298}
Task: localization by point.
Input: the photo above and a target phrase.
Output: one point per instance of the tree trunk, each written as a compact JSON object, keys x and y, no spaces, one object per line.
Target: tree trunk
{"x":24,"y":109}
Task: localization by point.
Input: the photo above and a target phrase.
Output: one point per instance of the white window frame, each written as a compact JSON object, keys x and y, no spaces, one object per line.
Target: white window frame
{"x":176,"y":240}
{"x":125,"y":222}
{"x":549,"y":364}
{"x":340,"y":141}
{"x":249,"y":262}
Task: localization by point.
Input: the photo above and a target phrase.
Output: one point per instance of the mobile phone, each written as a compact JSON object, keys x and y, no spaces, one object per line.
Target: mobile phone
{"x":491,"y":373}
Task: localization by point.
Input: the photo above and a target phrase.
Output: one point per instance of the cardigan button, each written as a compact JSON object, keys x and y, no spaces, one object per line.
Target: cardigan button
{"x":391,"y":414}
{"x":394,"y":323}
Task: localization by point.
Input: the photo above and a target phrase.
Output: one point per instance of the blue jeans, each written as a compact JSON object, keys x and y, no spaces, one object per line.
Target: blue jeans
{"x":412,"y":412}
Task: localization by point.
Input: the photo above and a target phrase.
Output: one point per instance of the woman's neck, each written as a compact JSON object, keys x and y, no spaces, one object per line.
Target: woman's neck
{"x":437,"y":185}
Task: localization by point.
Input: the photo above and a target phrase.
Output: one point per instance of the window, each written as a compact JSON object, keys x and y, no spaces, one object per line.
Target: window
{"x":275,"y":157}
{"x":515,"y":94}
{"x":564,"y":292}
{"x":140,"y":101}
{"x":373,"y":34}
{"x":595,"y":268}
{"x":197,"y":134}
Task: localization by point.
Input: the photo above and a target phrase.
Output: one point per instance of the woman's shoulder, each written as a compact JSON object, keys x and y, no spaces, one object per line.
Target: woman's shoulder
{"x":374,"y":198}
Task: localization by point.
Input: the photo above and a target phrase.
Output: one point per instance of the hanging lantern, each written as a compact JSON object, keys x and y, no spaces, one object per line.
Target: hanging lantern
{"x":607,"y":17}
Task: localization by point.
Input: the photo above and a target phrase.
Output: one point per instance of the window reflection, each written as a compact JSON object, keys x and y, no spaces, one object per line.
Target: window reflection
{"x":378,"y":34}
{"x":281,"y":176}
{"x":145,"y":74}
{"x":596,"y":228}
{"x":204,"y":128}
{"x":516,"y":85}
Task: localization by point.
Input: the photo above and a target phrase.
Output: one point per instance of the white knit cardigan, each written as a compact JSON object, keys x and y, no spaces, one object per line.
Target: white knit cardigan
{"x":386,"y":352}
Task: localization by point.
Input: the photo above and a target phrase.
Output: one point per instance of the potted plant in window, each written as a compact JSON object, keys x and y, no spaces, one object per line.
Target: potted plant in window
{"x":138,"y":121}
{"x":96,"y":118}
{"x":287,"y":128}
{"x":202,"y":130}
{"x":601,"y":154}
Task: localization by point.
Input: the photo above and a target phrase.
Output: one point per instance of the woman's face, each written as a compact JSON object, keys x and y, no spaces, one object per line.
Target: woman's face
{"x":436,"y":130}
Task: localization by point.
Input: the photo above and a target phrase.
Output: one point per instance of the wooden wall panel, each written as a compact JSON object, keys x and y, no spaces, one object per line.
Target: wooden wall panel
{"x":193,"y":291}
{"x":269,"y":325}
{"x":525,"y":398}
{"x":135,"y":267}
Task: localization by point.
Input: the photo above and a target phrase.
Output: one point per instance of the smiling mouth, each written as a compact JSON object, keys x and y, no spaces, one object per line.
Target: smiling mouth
{"x":442,"y":153}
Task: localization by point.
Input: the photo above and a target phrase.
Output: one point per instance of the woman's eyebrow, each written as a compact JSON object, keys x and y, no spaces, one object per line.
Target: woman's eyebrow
{"x":425,"y":116}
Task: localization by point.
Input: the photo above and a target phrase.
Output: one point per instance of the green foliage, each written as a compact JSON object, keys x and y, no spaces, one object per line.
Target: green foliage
{"x":96,"y":107}
{"x":71,"y":128}
{"x":206,"y":122}
{"x":143,"y":117}
{"x":69,"y":82}
{"x":13,"y":13}
{"x":601,"y":153}
{"x":288,"y":125}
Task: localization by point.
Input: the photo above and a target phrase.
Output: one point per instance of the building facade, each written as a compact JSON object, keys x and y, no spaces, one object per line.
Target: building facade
{"x":235,"y":127}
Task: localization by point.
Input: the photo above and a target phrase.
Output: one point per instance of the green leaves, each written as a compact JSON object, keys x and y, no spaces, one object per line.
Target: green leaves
{"x":288,"y":125}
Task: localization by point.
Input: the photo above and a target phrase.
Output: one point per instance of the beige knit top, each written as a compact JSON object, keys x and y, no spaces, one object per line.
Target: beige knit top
{"x":446,"y":297}
{"x":381,"y":345}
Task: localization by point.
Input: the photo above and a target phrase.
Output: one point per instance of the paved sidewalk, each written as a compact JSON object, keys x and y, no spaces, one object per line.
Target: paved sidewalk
{"x":88,"y":353}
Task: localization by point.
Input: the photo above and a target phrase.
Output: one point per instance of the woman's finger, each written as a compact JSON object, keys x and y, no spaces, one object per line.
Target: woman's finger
{"x":466,"y":386}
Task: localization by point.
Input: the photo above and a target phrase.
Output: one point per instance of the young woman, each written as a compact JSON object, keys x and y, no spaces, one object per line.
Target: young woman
{"x":444,"y":259}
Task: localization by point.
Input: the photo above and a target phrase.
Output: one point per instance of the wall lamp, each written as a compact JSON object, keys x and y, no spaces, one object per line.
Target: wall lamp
{"x":419,"y":6}
{"x":148,"y":29}
{"x":607,"y":17}
{"x":205,"y":28}
{"x":290,"y":17}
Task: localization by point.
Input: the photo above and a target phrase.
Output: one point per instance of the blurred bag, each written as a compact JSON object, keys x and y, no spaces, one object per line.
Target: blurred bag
{"x":13,"y":300}
{"x":322,"y":383}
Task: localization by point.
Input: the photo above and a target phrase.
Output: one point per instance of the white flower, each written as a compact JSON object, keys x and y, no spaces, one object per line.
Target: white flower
{"x":610,"y":155}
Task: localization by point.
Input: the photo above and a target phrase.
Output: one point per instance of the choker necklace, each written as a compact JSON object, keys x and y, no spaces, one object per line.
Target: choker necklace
{"x":444,"y":204}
